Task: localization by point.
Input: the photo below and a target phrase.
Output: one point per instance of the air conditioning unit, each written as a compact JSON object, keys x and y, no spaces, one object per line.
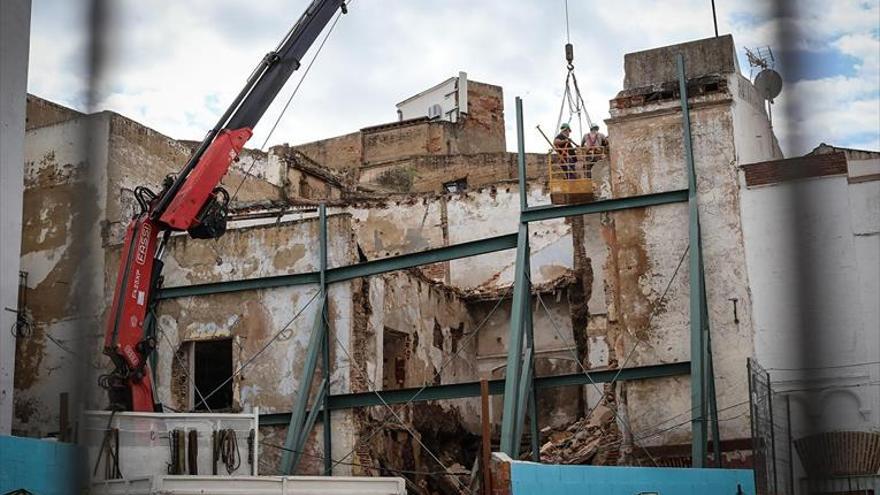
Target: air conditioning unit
{"x":435,"y":111}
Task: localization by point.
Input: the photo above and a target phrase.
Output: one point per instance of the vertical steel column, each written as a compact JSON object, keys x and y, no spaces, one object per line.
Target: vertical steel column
{"x":713,"y":404}
{"x":533,"y":397}
{"x":697,"y":290}
{"x":521,"y":156}
{"x":514,"y":396}
{"x":509,"y":428}
{"x":527,"y":318}
{"x":300,"y":426}
{"x":325,"y":403}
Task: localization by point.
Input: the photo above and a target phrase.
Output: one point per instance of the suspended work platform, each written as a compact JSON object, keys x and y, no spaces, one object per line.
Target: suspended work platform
{"x":570,"y":174}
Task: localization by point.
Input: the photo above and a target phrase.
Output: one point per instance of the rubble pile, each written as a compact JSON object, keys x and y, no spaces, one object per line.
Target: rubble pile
{"x":589,"y":440}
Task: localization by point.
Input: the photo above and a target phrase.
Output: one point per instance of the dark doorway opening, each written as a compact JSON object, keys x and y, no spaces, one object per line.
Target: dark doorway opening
{"x":394,"y":359}
{"x":212,"y":366}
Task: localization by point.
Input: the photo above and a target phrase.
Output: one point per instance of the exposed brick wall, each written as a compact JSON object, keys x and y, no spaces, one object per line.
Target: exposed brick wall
{"x":803,"y":167}
{"x":480,"y":169}
{"x":42,"y":112}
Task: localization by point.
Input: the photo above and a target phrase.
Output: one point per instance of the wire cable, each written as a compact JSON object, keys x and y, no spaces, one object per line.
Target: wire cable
{"x":400,"y":421}
{"x":185,"y":371}
{"x":567,"y":31}
{"x":257,"y":354}
{"x":287,"y":103}
{"x":472,"y":334}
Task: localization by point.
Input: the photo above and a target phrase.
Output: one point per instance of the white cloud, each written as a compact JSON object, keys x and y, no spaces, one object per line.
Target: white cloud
{"x":176,"y":65}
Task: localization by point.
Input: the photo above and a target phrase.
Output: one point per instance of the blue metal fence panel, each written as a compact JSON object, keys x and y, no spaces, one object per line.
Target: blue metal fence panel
{"x":38,"y":466}
{"x":543,"y":479}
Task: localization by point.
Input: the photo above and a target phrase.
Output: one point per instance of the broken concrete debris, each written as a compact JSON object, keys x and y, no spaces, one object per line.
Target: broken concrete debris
{"x":593,"y":439}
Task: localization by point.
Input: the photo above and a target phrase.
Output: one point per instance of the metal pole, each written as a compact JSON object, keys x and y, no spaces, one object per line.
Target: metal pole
{"x":772,"y":433}
{"x":521,"y":156}
{"x":697,"y":291}
{"x":327,"y":429}
{"x":485,"y":460}
{"x":714,"y":18}
{"x":790,"y":458}
{"x":713,"y":402}
{"x":521,"y":296}
{"x":533,"y":391}
{"x":520,"y":304}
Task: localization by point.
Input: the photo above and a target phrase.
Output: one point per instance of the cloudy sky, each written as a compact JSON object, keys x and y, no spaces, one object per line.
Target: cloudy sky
{"x":175,"y":65}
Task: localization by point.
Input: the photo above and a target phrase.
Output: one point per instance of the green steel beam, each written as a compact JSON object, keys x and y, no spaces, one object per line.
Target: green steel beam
{"x":290,"y":457}
{"x":324,"y":393}
{"x":239,"y":285}
{"x":521,"y":298}
{"x":340,"y":274}
{"x":697,"y":288}
{"x":520,"y":313}
{"x":310,"y":423}
{"x":523,"y":396}
{"x":404,"y":261}
{"x":496,"y":387}
{"x":521,"y":157}
{"x":540,"y":213}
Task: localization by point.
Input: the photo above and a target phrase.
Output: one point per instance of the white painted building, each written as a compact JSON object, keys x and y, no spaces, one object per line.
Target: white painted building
{"x":817,"y":288}
{"x":447,"y":100}
{"x":15,"y":21}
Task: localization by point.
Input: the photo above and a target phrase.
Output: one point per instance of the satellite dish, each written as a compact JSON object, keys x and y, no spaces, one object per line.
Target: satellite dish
{"x":768,"y":82}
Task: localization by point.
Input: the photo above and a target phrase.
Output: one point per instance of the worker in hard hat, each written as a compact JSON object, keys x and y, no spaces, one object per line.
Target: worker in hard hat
{"x":564,"y":147}
{"x":594,"y":138}
{"x":595,"y":144}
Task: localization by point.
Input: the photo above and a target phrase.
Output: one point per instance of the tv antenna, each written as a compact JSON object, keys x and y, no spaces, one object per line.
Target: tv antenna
{"x":767,"y":82}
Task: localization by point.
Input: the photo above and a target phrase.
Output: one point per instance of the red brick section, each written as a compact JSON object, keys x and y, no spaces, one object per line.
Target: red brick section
{"x":803,"y":167}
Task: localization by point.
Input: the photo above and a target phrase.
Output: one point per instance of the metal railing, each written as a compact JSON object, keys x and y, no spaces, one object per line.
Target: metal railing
{"x":570,"y":170}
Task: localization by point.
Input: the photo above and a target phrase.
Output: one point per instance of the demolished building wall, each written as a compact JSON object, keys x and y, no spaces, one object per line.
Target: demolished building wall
{"x":647,"y":156}
{"x":602,"y":278}
{"x":80,"y":171}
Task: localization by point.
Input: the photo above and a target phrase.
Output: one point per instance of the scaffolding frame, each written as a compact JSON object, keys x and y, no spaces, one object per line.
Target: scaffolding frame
{"x":519,"y":387}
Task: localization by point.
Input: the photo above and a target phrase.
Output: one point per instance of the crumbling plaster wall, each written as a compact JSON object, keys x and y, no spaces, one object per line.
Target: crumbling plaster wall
{"x":554,"y":352}
{"x":437,"y":325}
{"x":252,"y":319}
{"x":647,"y":157}
{"x":64,"y":204}
{"x":140,"y":156}
{"x":411,"y":223}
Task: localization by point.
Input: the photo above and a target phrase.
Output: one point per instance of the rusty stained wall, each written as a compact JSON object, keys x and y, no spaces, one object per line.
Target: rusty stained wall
{"x":64,"y":202}
{"x":404,"y":224}
{"x":140,"y":156}
{"x":647,"y":245}
{"x":253,"y":318}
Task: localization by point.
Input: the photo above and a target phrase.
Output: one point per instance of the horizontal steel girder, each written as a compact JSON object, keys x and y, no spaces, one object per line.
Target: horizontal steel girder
{"x":412,"y":260}
{"x":539,"y":213}
{"x":496,"y":387}
{"x":343,"y":273}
